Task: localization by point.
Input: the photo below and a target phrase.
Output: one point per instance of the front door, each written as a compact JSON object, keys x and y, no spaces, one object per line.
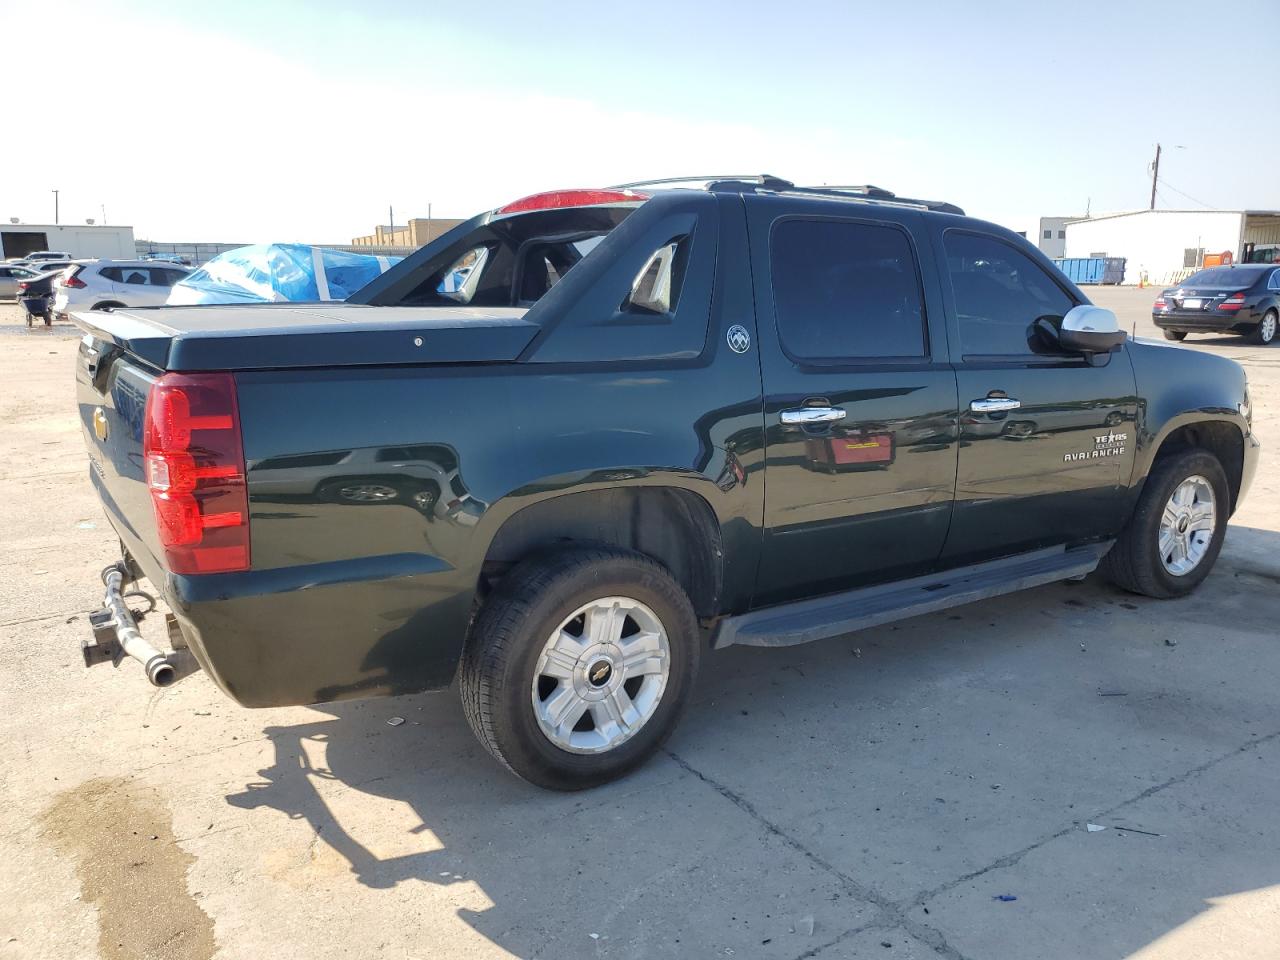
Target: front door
{"x":859,"y":397}
{"x":1046,"y":438}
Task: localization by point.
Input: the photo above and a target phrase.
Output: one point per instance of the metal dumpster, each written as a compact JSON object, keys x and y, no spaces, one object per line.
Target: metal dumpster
{"x":1083,"y":269}
{"x":1114,"y":272}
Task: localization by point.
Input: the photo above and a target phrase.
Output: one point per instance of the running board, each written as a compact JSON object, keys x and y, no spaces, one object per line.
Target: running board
{"x":841,"y":613}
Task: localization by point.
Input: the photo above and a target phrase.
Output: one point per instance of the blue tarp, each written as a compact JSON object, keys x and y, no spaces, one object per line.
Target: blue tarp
{"x":275,"y":272}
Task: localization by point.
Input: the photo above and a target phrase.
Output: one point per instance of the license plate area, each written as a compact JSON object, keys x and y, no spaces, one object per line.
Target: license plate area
{"x":1194,"y":303}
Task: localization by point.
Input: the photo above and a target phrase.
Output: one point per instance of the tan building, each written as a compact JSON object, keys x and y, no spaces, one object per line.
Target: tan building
{"x":412,"y":235}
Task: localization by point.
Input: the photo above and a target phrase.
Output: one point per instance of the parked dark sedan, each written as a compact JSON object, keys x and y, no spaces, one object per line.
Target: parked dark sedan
{"x":1244,"y":298}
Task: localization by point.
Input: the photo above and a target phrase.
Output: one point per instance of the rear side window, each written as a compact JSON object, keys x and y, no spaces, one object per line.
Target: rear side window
{"x":113,"y":274}
{"x":1000,"y":292}
{"x":656,"y":288}
{"x":846,"y":290}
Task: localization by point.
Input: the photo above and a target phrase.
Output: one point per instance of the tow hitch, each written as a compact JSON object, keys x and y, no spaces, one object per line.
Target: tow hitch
{"x":116,"y":635}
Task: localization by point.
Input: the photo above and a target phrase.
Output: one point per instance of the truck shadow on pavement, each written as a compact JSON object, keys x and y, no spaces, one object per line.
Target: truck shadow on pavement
{"x":934,"y":764}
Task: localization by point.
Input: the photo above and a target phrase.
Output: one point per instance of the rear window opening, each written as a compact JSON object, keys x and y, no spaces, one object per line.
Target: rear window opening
{"x":510,"y":261}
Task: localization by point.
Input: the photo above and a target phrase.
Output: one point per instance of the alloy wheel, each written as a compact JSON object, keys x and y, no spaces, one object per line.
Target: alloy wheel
{"x":601,"y":675}
{"x":1187,"y":526}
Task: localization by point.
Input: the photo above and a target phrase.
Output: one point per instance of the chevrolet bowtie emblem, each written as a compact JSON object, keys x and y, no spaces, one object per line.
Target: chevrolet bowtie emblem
{"x":600,"y":673}
{"x":100,"y":428}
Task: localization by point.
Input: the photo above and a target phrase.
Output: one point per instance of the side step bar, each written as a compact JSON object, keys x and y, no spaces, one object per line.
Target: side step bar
{"x":841,"y":613}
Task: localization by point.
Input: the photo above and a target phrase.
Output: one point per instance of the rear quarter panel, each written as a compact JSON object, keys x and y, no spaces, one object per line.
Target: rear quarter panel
{"x":355,"y":598}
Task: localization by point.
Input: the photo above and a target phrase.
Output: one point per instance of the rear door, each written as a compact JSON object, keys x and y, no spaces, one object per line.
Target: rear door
{"x":860,"y":400}
{"x":133,"y":285}
{"x":1046,"y":438}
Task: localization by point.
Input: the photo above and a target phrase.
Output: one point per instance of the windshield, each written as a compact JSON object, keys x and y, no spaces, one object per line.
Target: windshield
{"x":1223,"y":277}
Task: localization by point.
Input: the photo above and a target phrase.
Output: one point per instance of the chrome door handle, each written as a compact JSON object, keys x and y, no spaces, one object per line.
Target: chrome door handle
{"x":994,"y":405}
{"x":804,"y":416}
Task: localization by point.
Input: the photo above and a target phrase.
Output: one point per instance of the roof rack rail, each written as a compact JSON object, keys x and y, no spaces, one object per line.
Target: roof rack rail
{"x":766,"y":181}
{"x":870,"y":192}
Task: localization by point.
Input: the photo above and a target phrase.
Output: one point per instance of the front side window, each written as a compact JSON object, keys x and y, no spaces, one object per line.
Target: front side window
{"x":1000,"y":293}
{"x":846,"y":290}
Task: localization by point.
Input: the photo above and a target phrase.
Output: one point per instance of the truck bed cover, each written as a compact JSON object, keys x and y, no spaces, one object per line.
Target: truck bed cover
{"x":273,"y":336}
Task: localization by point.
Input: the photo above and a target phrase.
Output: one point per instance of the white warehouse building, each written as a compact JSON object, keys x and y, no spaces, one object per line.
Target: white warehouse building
{"x":83,"y":241}
{"x":1166,"y":245}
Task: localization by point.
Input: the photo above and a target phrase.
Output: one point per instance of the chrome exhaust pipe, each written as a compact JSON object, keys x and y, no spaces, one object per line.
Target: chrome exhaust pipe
{"x":159,"y":669}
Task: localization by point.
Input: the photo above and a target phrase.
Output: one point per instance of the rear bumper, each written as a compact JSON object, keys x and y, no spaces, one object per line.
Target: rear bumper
{"x":373,"y":626}
{"x":1207,"y":320}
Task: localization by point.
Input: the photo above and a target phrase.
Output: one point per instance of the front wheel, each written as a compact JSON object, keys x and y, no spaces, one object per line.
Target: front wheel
{"x":1175,"y":334}
{"x":1174,"y":536}
{"x":579,"y":665}
{"x":1265,"y":331}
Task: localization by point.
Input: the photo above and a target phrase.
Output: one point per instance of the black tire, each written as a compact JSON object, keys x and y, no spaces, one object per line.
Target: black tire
{"x":1268,"y":329}
{"x":1134,"y":563}
{"x":107,"y":305}
{"x":1175,"y":334}
{"x":497,"y":671}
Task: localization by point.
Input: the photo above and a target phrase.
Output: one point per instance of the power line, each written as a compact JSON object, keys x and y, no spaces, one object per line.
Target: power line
{"x":1188,"y":196}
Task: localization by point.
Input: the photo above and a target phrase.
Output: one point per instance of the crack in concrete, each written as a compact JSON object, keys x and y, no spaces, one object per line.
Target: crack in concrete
{"x":1010,"y":859}
{"x":43,"y":616}
{"x":890,"y":914}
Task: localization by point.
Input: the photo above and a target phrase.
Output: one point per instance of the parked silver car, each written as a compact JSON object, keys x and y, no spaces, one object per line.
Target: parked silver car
{"x":10,"y":274}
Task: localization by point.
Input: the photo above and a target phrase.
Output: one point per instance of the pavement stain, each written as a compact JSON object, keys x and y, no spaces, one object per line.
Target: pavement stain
{"x":120,"y":835}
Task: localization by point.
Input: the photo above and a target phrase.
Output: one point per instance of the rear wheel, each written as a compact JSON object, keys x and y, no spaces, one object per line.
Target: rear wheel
{"x":579,"y":665}
{"x":1176,"y":531}
{"x":1267,"y":328}
{"x":1175,"y":334}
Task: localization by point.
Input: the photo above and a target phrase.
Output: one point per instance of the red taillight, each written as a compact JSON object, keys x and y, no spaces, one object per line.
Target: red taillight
{"x":1233,"y":302}
{"x":23,"y":284}
{"x":1159,"y":304}
{"x":73,"y":281}
{"x":194,"y":459}
{"x":558,"y":199}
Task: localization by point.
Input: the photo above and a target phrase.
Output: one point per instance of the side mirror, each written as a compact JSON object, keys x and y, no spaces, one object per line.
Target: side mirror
{"x":1088,"y":329}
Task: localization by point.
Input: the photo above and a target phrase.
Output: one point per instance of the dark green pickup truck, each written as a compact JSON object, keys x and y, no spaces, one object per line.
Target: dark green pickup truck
{"x":575,"y":442}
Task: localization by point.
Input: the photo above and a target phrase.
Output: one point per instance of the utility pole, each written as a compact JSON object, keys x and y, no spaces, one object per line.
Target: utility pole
{"x":55,"y":208}
{"x":104,"y":214}
{"x":391,"y":215}
{"x":429,"y":238}
{"x":1155,"y":177}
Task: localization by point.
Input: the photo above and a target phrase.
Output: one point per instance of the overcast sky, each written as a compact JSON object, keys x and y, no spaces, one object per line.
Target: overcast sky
{"x":287,"y":121}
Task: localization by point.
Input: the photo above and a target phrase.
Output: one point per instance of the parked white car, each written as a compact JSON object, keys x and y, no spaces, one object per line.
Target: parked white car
{"x":114,"y":283}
